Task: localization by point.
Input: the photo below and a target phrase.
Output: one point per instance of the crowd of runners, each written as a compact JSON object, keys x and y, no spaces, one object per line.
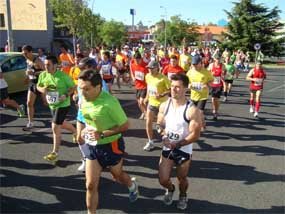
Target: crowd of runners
{"x":171,"y":85}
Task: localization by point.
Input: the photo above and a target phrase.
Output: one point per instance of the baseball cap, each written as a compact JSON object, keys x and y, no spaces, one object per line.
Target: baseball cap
{"x":153,"y":64}
{"x":196,"y":59}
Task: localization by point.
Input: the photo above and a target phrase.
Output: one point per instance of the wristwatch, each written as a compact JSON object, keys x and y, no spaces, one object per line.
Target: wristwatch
{"x":102,"y":135}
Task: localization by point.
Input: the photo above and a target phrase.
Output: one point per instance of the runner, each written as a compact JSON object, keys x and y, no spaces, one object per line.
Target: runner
{"x":199,"y":83}
{"x":34,"y":67}
{"x":105,"y":121}
{"x":218,"y":71}
{"x":182,"y":122}
{"x":184,"y":60}
{"x":105,"y":68}
{"x":57,"y":87}
{"x":66,"y":60}
{"x":173,"y":67}
{"x":138,"y":72}
{"x":158,"y":87}
{"x":231,"y":73}
{"x":120,"y":63}
{"x":4,"y":97}
{"x":257,"y":76}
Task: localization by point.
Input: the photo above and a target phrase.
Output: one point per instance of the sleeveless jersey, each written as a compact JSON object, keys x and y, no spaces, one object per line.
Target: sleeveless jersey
{"x":106,"y":70}
{"x":260,"y":75}
{"x":217,"y":74}
{"x":177,"y":124}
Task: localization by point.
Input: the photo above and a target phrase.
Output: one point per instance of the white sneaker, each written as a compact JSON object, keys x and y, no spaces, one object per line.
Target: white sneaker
{"x":29,"y":126}
{"x":81,"y":168}
{"x":255,"y":114}
{"x":251,"y":110}
{"x":225,"y":99}
{"x":142,"y":116}
{"x":149,"y":146}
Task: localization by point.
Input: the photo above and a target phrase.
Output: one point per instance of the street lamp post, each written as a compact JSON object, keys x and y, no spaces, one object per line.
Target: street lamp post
{"x":165,"y":20}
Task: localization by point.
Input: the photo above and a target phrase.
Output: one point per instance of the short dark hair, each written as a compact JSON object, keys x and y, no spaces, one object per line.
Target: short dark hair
{"x":107,"y":54}
{"x":173,"y":57}
{"x":92,"y":76}
{"x":181,"y":77}
{"x":52,"y":58}
{"x":87,"y":62}
{"x":27,"y":48}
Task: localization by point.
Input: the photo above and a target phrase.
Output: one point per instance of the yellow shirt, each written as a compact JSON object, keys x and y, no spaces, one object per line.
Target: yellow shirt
{"x":184,"y":62}
{"x":198,"y":81}
{"x":74,"y":73}
{"x":157,"y":85}
{"x":160,"y":53}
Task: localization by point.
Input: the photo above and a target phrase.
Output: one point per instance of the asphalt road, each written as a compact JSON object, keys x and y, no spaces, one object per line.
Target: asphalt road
{"x":238,"y":163}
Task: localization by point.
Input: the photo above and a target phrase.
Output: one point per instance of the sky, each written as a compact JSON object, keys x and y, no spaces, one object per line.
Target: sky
{"x":151,"y":11}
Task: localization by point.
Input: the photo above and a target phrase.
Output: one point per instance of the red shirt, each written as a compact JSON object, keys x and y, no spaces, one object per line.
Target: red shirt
{"x":260,"y":75}
{"x":217,"y":72}
{"x":169,"y":70}
{"x":139,"y":71}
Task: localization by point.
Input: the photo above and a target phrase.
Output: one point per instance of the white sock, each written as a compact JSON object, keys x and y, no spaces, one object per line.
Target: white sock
{"x":84,"y":149}
{"x":132,"y":187}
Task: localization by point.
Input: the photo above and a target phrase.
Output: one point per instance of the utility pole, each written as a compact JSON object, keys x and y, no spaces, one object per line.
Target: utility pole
{"x":165,"y":19}
{"x":9,"y":26}
{"x":133,"y":13}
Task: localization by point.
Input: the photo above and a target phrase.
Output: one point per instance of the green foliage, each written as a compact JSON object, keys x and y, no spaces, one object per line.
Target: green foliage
{"x":113,"y":33}
{"x":251,"y":23}
{"x":178,"y":31}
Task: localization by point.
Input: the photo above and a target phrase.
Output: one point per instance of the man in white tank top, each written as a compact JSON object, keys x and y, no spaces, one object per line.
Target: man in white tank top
{"x":180,"y":124}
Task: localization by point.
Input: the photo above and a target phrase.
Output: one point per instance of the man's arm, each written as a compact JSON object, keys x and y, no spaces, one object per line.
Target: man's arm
{"x":194,"y":127}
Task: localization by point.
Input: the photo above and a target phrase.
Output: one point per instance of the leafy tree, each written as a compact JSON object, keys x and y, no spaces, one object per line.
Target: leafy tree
{"x":68,"y":14}
{"x":251,"y":23}
{"x":178,"y":31}
{"x":113,"y":33}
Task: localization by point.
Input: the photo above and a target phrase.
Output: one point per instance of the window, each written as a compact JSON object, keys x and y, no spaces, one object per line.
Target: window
{"x":2,"y":20}
{"x":14,"y":64}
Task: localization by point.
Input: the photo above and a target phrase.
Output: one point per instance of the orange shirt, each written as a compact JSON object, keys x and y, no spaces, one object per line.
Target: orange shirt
{"x":169,"y":70}
{"x":139,"y":71}
{"x":67,"y":62}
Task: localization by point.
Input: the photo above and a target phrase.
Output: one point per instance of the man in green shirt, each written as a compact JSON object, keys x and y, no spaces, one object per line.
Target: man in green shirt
{"x":105,"y":121}
{"x":57,"y":87}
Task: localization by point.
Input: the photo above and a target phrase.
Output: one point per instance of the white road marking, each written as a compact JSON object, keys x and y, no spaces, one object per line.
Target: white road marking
{"x":274,"y":89}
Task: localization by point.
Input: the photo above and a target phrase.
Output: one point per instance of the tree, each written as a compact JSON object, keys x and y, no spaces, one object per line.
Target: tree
{"x":178,"y":31}
{"x":69,"y":14}
{"x":113,"y":33}
{"x":251,"y":23}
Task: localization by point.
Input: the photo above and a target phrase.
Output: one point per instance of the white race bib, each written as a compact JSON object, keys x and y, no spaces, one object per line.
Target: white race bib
{"x":64,"y":63}
{"x":152,"y":91}
{"x":52,"y":97}
{"x":169,"y":74}
{"x":217,"y":80}
{"x":87,"y":137}
{"x":105,"y":70}
{"x":139,"y":75}
{"x":197,"y":86}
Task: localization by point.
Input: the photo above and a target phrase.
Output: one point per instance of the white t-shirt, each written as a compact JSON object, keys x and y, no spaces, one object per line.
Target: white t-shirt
{"x":3,"y":83}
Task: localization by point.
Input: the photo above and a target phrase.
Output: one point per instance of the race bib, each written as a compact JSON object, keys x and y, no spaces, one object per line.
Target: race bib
{"x":139,"y":75}
{"x":52,"y":97}
{"x":105,"y":70}
{"x":152,"y":91}
{"x":64,"y":63}
{"x":217,"y":80}
{"x":196,"y":86}
{"x":229,"y":76}
{"x":173,"y":136}
{"x":258,"y":81}
{"x":32,"y":77}
{"x":88,"y":138}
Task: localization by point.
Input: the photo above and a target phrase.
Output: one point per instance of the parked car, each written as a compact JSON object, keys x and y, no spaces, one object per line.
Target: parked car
{"x":13,"y":66}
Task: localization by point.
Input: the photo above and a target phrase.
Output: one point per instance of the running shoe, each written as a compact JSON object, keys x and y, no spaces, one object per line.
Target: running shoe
{"x":28,"y":127}
{"x":255,"y":114}
{"x":225,"y":99}
{"x":168,"y":196}
{"x":182,"y":202}
{"x":21,"y":111}
{"x":251,"y":109}
{"x":148,"y":146}
{"x":215,"y":116}
{"x":51,"y":157}
{"x":134,"y":194}
{"x":81,"y":168}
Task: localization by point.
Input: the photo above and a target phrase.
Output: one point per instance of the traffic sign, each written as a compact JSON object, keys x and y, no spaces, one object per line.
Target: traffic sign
{"x":257,"y":46}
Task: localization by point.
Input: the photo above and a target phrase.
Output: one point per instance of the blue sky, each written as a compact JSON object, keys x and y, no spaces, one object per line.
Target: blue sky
{"x":149,"y":11}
